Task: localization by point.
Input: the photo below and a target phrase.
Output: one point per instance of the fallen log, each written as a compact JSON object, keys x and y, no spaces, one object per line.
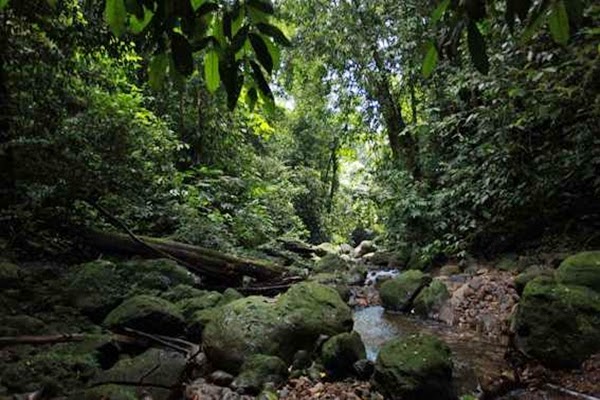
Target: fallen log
{"x":206,"y":262}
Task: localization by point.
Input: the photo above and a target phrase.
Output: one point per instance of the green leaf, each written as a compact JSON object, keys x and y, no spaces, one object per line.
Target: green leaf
{"x":182,"y":54}
{"x":264,"y":6}
{"x":559,"y":23}
{"x":430,"y":61}
{"x":3,"y":3}
{"x":157,"y":70}
{"x":274,"y":32}
{"x":115,"y":15}
{"x":211,"y":70}
{"x":477,"y":48}
{"x":137,"y":25}
{"x":52,"y":3}
{"x":439,"y":11}
{"x":239,"y":39}
{"x":207,"y":8}
{"x":261,"y":82}
{"x":274,"y":52}
{"x":196,"y":3}
{"x":262,"y":51}
{"x":251,"y":98}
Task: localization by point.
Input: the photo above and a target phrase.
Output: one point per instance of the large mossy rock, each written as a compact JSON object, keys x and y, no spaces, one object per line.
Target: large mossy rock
{"x":21,"y":325}
{"x":558,"y":324}
{"x":156,"y":368}
{"x":397,"y":294}
{"x":414,"y":368}
{"x":430,"y":300}
{"x":252,"y":325}
{"x":259,"y":370}
{"x":331,"y":263}
{"x":340,"y":352}
{"x":258,"y":325}
{"x":190,"y":306}
{"x":97,"y":287}
{"x":581,"y":269}
{"x":148,"y":314}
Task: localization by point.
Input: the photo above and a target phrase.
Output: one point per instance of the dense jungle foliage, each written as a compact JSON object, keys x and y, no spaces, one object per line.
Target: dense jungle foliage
{"x":454,"y":127}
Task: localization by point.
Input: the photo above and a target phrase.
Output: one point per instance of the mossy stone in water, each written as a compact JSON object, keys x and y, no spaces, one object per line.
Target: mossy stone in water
{"x":414,"y":368}
{"x":431,"y":299}
{"x":147,"y":314}
{"x":259,"y":370}
{"x":558,"y":324}
{"x":581,"y":269}
{"x":340,"y":352}
{"x":396,"y":294}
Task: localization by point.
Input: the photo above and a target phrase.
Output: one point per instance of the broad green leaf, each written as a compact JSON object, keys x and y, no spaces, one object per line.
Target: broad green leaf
{"x":51,"y":2}
{"x":251,"y":98}
{"x":196,"y":3}
{"x":274,"y":52}
{"x":439,"y":11}
{"x":138,"y":25}
{"x":430,"y":61}
{"x":3,"y":3}
{"x":115,"y":15}
{"x":261,"y":82}
{"x":274,"y":32}
{"x":157,"y":70}
{"x":262,"y":51}
{"x":238,"y":21}
{"x":211,"y":70}
{"x":477,"y":48}
{"x":559,"y":23}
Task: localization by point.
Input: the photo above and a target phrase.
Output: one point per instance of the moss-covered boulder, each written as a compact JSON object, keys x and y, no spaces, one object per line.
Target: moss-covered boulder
{"x":182,"y":292}
{"x":558,"y":324}
{"x":340,"y":352}
{"x":313,"y":310}
{"x":414,"y":368}
{"x":61,"y":368}
{"x":156,"y":368}
{"x":148,"y":314}
{"x":196,"y":324}
{"x":21,"y":325}
{"x":9,"y":275}
{"x":398,"y":294}
{"x":331,"y":263}
{"x":259,"y":370}
{"x":191,"y":305}
{"x":430,"y":300}
{"x":229,"y":295}
{"x":581,"y":269}
{"x":529,"y":274}
{"x":258,"y":325}
{"x":252,"y":325}
{"x":97,"y":287}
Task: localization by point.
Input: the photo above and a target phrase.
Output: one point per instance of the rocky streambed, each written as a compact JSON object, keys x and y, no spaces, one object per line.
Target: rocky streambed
{"x":354,"y":329}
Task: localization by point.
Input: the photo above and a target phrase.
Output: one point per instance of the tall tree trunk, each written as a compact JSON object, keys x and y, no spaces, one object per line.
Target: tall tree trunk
{"x":7,"y":170}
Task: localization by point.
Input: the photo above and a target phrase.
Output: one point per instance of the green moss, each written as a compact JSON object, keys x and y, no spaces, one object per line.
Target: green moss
{"x":558,"y":324}
{"x":340,"y":352}
{"x":190,"y":305}
{"x":257,"y":371}
{"x":148,"y":314}
{"x":198,"y":322}
{"x":61,"y":367}
{"x":530,"y":274}
{"x":331,"y":263}
{"x":396,"y":293}
{"x":21,"y":325}
{"x":107,"y":392}
{"x":316,"y":309}
{"x":98,"y":286}
{"x":581,"y":269}
{"x":182,"y":292}
{"x":414,"y":367}
{"x":9,"y":275}
{"x":431,"y":299}
{"x":229,"y":295}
